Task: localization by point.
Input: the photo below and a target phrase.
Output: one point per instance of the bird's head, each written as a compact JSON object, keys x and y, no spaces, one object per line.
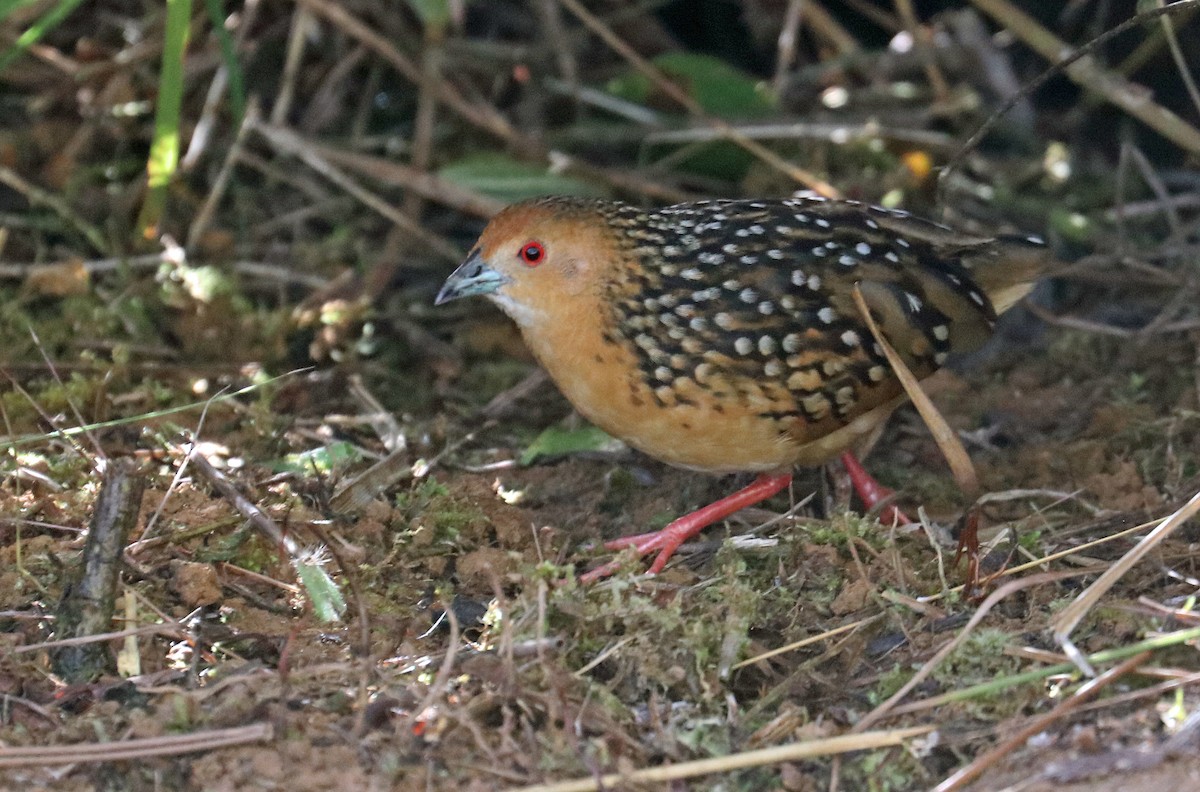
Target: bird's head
{"x":534,"y":257}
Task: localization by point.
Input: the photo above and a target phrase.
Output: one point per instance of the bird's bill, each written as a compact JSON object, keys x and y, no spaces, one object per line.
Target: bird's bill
{"x":472,"y":278}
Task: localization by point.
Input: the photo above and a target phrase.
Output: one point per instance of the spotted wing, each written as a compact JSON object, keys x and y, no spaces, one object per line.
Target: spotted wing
{"x":753,"y":302}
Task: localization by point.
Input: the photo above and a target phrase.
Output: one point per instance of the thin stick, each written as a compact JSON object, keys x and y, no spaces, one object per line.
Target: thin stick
{"x":482,"y":116}
{"x":727,"y":130}
{"x":1068,"y":618}
{"x":1088,"y":691}
{"x":993,"y":599}
{"x":725,"y":764}
{"x":785,"y":47}
{"x":221,"y":183}
{"x":289,"y":142}
{"x":36,"y":195}
{"x":1130,"y":98}
{"x":947,"y":441}
{"x":174,"y":745}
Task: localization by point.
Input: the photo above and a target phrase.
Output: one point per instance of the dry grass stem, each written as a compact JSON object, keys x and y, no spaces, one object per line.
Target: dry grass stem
{"x":739,"y":761}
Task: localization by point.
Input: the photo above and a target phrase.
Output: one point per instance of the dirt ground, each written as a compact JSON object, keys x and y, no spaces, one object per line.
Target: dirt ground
{"x":357,"y":521}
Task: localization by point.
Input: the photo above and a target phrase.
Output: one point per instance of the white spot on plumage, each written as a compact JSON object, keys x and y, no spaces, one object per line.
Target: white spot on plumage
{"x":723,"y":321}
{"x":822,"y":222}
{"x":862,"y":249}
{"x":791,"y":343}
{"x":748,"y":296}
{"x":766,"y":345}
{"x":941,"y":332}
{"x":775,"y":253}
{"x":698,"y":323}
{"x":766,"y":307}
{"x":850,"y":338}
{"x":892,"y":257}
{"x":798,"y":277}
{"x":819,"y":250}
{"x":876,"y":373}
{"x":815,"y":405}
{"x":914,"y":302}
{"x":827,"y":314}
{"x":772,"y":368}
{"x":814,"y":282}
{"x":743,"y":346}
{"x":902,"y":242}
{"x":730,"y":248}
{"x":691,"y":273}
{"x":848,"y":261}
{"x":804,"y":380}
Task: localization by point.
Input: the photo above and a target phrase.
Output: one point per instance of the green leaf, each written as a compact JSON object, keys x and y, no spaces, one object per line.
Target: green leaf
{"x":557,"y":441}
{"x":433,"y":13}
{"x":506,"y":179}
{"x":324,"y":459}
{"x":327,"y":600}
{"x":716,"y":86}
{"x":720,"y":89}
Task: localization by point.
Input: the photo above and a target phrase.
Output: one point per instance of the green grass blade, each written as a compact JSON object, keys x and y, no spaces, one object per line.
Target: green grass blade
{"x":37,"y":31}
{"x":164,"y":149}
{"x":237,"y":85}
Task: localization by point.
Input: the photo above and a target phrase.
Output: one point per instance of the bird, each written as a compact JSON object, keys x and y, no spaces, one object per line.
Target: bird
{"x":724,"y":336}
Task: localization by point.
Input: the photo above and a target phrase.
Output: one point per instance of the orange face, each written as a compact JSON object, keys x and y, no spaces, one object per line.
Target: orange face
{"x":532,"y":261}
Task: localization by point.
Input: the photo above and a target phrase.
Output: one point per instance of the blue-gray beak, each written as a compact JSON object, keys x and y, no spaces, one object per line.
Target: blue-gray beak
{"x":472,"y":277}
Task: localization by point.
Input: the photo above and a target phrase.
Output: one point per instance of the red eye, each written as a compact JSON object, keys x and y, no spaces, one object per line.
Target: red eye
{"x":532,"y":253}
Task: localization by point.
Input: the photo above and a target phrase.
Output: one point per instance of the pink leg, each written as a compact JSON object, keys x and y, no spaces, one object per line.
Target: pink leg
{"x":872,"y":492}
{"x":668,"y":540}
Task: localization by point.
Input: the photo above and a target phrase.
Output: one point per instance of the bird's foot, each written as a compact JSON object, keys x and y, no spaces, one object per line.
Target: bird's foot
{"x":872,"y":493}
{"x":667,"y":540}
